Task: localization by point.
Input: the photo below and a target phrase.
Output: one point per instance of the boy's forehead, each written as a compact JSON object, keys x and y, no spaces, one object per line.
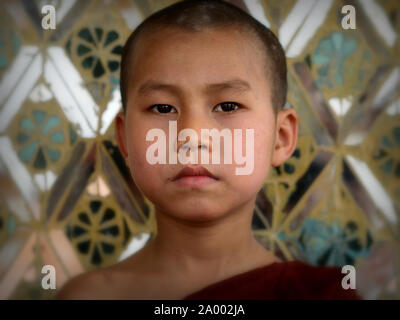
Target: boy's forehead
{"x":216,"y":44}
{"x":150,"y":41}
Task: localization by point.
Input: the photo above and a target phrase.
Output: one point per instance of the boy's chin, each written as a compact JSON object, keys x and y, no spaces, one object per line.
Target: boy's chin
{"x":196,"y":211}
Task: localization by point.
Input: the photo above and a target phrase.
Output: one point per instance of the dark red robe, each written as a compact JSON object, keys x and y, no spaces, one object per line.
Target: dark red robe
{"x":280,"y":280}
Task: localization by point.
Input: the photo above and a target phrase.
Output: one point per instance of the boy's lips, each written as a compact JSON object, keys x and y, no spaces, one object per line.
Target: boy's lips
{"x":194,"y":176}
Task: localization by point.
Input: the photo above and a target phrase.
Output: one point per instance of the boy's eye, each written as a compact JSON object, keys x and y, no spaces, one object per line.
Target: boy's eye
{"x":227,"y":107}
{"x":163,"y":108}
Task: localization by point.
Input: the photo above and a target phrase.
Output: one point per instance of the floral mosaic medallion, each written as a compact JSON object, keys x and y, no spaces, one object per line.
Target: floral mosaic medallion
{"x":97,"y":52}
{"x":98,"y":233}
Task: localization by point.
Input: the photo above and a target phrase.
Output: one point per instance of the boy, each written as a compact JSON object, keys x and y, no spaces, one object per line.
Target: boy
{"x":204,"y":65}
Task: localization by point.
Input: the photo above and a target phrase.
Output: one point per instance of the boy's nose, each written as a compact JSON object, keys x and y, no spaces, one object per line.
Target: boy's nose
{"x":195,"y":122}
{"x":193,"y":119}
{"x":184,"y":146}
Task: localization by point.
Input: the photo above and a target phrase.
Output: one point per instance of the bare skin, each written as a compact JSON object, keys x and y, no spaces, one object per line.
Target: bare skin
{"x":138,"y":278}
{"x":203,"y":234}
{"x":188,"y":258}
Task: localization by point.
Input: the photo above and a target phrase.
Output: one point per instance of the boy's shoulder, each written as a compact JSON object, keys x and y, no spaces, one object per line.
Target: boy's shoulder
{"x":122,"y":280}
{"x":301,"y":279}
{"x":85,"y":286}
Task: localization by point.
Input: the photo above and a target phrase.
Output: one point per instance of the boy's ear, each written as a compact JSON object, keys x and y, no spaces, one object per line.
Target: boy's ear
{"x":120,"y":135}
{"x":286,"y":136}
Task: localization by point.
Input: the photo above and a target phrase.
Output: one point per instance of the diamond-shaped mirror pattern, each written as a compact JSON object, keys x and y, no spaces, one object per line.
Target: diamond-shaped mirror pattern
{"x":67,"y":197}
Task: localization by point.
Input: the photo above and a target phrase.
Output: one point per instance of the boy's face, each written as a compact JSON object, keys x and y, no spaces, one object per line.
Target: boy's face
{"x":190,"y":62}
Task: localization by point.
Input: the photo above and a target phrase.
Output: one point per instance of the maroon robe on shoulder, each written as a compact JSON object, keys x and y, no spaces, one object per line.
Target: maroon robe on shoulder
{"x":280,"y":280}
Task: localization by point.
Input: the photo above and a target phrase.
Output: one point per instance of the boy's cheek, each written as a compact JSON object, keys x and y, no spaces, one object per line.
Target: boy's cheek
{"x":142,"y":169}
{"x":147,"y":178}
{"x":250,"y":183}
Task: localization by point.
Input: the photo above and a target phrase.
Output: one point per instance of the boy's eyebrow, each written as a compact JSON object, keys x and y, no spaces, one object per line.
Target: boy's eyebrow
{"x":234,"y":84}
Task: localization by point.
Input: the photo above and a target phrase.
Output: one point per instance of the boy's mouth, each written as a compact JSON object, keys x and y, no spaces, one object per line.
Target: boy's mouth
{"x":194,"y":176}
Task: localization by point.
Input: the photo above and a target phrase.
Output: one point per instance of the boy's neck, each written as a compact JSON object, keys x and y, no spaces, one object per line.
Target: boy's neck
{"x":219,"y":247}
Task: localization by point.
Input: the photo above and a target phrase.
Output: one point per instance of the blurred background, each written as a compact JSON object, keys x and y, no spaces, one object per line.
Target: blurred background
{"x":67,"y":198}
